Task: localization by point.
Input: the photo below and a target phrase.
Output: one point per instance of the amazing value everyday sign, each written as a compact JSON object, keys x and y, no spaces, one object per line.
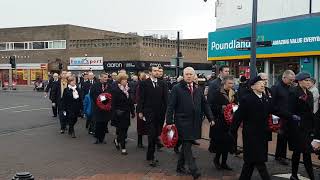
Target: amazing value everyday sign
{"x":293,"y":37}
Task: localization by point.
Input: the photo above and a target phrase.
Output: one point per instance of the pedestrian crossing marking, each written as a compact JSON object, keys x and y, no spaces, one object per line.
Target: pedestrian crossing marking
{"x":287,"y":176}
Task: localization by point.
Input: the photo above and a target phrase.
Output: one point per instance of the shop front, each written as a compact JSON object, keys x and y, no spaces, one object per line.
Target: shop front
{"x":24,"y":74}
{"x":81,"y":64}
{"x":295,"y":45}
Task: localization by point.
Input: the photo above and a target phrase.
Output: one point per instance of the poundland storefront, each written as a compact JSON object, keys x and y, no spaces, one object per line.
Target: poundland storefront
{"x":295,"y":44}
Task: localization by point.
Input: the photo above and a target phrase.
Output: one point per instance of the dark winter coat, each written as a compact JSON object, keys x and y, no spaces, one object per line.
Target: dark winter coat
{"x":56,"y":95}
{"x":213,"y":86}
{"x":86,"y":86}
{"x":280,"y":94}
{"x":301,"y":134}
{"x":122,"y":107}
{"x":185,"y":111}
{"x":254,"y":113}
{"x":98,"y":114}
{"x":70,"y":105}
{"x":142,"y":128}
{"x":220,"y":140}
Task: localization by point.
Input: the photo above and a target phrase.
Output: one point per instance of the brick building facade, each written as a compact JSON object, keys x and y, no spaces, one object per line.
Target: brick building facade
{"x":38,"y":50}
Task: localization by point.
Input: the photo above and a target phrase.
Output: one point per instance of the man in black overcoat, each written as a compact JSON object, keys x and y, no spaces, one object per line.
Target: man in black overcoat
{"x":216,"y":84}
{"x":152,"y":100}
{"x":254,"y":111}
{"x":280,"y":93}
{"x":48,"y":89}
{"x":100,"y":117}
{"x":185,"y":109}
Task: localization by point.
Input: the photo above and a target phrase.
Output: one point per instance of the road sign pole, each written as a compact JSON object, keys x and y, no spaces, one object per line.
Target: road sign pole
{"x":253,"y":59}
{"x":178,"y":54}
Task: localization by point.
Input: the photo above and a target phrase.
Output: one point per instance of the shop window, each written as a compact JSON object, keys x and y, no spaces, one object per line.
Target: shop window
{"x":38,"y":45}
{"x":2,"y":46}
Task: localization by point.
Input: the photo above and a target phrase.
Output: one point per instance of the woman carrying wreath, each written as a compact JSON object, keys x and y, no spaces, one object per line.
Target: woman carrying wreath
{"x":221,"y":142}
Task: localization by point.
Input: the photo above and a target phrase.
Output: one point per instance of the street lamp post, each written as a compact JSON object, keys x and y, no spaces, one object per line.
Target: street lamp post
{"x":178,"y":55}
{"x":310,"y":6}
{"x":253,"y":59}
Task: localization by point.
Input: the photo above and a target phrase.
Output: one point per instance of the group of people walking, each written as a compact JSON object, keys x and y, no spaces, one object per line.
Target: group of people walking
{"x":149,"y":99}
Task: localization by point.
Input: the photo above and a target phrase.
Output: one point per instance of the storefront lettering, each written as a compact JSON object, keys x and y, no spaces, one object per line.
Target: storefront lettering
{"x":231,"y":45}
{"x":114,"y":65}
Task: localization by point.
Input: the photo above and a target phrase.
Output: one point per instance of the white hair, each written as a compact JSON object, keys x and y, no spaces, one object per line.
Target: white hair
{"x":189,"y":69}
{"x":263,"y":74}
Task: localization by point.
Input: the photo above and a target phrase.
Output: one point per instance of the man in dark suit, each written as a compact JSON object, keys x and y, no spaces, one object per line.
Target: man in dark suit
{"x":164,"y":108}
{"x":52,"y":81}
{"x":100,"y":116}
{"x":86,"y":86}
{"x":185,"y":109}
{"x":57,"y":93}
{"x":152,"y":100}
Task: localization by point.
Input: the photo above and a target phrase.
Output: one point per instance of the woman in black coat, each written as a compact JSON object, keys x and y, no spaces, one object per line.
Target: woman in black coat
{"x":301,"y":132}
{"x":123,"y":106}
{"x":72,"y":104}
{"x":221,"y":143}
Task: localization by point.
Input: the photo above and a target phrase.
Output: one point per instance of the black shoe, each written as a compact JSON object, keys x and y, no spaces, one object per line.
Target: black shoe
{"x":124,"y":152}
{"x":54,"y":116}
{"x":116,"y":144}
{"x":294,"y":178}
{"x":73,"y":135}
{"x":181,"y":170}
{"x":196,"y":175}
{"x":103,"y":142}
{"x":238,"y":152}
{"x":61,"y":131}
{"x":195,"y":143}
{"x":226,"y":167}
{"x":176,"y":150}
{"x":217,"y":164}
{"x":154,"y":163}
{"x":96,"y":142}
{"x":282,"y":161}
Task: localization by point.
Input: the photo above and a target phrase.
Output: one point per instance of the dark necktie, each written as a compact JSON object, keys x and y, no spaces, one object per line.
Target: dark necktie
{"x":155,"y":84}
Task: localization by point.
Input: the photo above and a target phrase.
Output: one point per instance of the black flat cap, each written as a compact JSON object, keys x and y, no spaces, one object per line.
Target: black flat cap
{"x":254,"y":80}
{"x":302,"y":76}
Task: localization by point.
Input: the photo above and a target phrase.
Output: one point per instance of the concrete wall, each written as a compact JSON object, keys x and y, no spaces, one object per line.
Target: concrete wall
{"x":237,"y":12}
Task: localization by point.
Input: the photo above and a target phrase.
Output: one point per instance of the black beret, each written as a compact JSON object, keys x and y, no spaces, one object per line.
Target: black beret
{"x":302,"y":76}
{"x":254,"y":80}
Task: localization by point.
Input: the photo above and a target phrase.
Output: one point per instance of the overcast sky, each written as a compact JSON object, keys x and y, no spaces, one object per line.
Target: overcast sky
{"x":194,"y":17}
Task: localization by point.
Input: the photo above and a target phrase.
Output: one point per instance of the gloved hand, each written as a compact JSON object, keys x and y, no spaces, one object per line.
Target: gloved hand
{"x":296,"y":118}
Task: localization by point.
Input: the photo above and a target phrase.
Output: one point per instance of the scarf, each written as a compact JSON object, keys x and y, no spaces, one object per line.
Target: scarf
{"x":75,"y":93}
{"x":124,"y":89}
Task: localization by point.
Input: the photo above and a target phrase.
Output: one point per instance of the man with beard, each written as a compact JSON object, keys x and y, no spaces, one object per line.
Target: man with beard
{"x":100,"y":116}
{"x":151,"y":101}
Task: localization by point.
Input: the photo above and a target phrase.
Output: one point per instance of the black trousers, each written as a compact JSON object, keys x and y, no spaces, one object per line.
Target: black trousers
{"x":63,"y":119}
{"x":101,"y":130}
{"x":152,"y":140}
{"x":55,"y":110}
{"x":224,"y":156}
{"x":281,"y":149}
{"x":72,"y":122}
{"x":247,"y":170}
{"x":121,"y":137}
{"x":306,"y":161}
{"x":186,"y":157}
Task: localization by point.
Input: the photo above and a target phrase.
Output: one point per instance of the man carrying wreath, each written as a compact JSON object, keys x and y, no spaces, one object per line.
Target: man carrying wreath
{"x":186,"y":105}
{"x":100,"y":94}
{"x":221,"y":143}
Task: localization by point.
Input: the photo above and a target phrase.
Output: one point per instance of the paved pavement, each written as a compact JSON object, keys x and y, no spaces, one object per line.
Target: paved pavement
{"x":30,"y":141}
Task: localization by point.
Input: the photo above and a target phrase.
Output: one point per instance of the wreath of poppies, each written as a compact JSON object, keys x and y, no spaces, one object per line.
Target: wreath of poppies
{"x":168,"y":140}
{"x":273,"y":127}
{"x":106,"y":104}
{"x":228,"y":113}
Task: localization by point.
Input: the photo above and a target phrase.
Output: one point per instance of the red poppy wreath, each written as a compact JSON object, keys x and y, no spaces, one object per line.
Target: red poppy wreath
{"x":104,"y":101}
{"x":169,"y":136}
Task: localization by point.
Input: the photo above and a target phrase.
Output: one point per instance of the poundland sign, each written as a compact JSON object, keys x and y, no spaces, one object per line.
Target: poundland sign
{"x":295,"y":37}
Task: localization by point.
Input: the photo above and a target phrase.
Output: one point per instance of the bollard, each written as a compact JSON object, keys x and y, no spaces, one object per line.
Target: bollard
{"x":23,"y":176}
